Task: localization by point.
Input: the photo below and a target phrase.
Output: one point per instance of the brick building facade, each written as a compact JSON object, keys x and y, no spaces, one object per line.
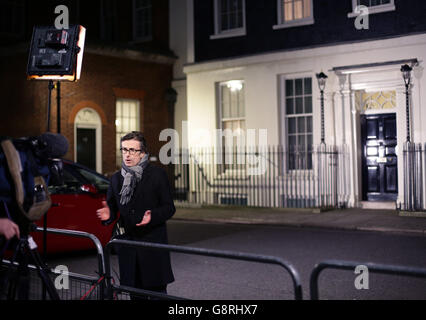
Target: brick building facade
{"x":114,"y":67}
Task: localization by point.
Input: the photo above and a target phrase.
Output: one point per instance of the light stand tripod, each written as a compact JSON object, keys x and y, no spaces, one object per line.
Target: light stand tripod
{"x":48,"y":44}
{"x":50,"y":87}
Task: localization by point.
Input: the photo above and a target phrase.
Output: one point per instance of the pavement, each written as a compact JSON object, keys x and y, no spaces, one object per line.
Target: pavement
{"x":377,"y":220}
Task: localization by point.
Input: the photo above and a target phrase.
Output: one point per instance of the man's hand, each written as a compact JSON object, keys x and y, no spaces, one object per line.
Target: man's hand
{"x":146,"y":219}
{"x":103,"y":213}
{"x":8,"y":228}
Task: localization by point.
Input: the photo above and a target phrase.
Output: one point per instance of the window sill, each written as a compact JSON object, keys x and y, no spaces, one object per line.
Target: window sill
{"x":140,"y":40}
{"x":307,"y":175}
{"x":229,"y":34}
{"x":231,"y":174}
{"x":290,"y":173}
{"x":374,"y":10}
{"x":297,"y":23}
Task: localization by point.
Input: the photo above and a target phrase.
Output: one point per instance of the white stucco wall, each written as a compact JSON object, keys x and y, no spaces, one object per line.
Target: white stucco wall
{"x":182,"y":44}
{"x":262,"y":74}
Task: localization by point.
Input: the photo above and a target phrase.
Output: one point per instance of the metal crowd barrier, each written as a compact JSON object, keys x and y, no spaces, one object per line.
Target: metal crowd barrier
{"x":80,"y":286}
{"x":94,"y":287}
{"x":351,"y":265}
{"x":113,"y":288}
{"x":81,"y":234}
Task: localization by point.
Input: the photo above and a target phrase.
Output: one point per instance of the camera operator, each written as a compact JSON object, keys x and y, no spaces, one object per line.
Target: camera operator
{"x":8,"y":228}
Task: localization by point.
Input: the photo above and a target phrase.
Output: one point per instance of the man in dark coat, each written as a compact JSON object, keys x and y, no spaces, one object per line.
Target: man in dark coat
{"x":141,"y":193}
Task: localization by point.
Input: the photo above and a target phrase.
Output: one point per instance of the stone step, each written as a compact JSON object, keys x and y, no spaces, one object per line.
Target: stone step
{"x":391,"y":205}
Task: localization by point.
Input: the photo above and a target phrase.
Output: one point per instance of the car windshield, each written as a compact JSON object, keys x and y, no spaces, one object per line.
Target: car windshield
{"x":70,"y":184}
{"x":99,"y":181}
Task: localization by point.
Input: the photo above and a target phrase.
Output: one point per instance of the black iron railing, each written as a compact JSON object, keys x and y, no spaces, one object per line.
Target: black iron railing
{"x":414,"y":179}
{"x":269,"y":176}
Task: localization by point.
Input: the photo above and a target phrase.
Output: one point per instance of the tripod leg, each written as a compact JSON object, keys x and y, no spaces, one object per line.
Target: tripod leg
{"x":11,"y":294}
{"x":19,"y":280}
{"x":13,"y":275}
{"x":23,"y":280}
{"x":43,"y":274}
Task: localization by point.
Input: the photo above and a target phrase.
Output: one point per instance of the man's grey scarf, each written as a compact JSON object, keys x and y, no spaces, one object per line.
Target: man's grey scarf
{"x":132,"y":175}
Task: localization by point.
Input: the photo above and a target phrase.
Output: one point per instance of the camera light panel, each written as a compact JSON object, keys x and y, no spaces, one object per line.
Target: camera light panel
{"x":56,"y":53}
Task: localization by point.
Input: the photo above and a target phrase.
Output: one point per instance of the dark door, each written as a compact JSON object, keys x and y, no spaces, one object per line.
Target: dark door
{"x":379,"y":160}
{"x":86,"y":147}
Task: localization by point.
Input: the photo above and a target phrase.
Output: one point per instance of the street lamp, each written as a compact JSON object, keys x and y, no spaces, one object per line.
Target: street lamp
{"x":406,"y":74}
{"x":322,"y":79}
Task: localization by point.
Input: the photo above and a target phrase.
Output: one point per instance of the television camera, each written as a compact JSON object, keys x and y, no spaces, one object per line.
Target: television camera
{"x":27,"y":166}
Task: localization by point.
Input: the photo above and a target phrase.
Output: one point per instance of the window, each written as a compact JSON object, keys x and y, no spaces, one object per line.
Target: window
{"x":70,"y":184}
{"x":229,"y":18}
{"x":298,"y":118}
{"x":380,"y":100}
{"x":97,"y":180}
{"x":293,"y":13}
{"x":127,"y":119}
{"x":374,"y":6}
{"x":372,"y":3}
{"x":232,"y":108}
{"x":12,"y":17}
{"x":142,"y":20}
{"x":232,"y":117}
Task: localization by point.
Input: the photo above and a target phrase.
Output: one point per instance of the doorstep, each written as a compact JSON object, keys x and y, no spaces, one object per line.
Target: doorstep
{"x":379,"y":205}
{"x":420,"y":214}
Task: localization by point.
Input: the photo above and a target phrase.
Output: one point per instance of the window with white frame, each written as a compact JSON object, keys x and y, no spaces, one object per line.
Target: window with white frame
{"x":142,"y":20}
{"x":298,"y":118}
{"x":229,"y":18}
{"x":374,"y":6}
{"x":127,"y":119}
{"x":232,"y":118}
{"x":294,"y":13}
{"x":12,"y":17}
{"x":372,"y":3}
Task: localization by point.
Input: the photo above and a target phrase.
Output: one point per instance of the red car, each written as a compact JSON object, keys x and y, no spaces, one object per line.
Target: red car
{"x":74,"y":205}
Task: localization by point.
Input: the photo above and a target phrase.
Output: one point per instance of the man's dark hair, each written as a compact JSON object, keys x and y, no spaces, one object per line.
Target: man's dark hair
{"x":136,"y":135}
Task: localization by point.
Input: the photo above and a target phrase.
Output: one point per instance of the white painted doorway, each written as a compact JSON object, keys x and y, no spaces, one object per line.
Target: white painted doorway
{"x":88,"y":139}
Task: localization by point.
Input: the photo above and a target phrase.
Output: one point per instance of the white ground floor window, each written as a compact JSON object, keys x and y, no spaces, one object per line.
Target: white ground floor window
{"x":127,"y":119}
{"x":298,"y":133}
